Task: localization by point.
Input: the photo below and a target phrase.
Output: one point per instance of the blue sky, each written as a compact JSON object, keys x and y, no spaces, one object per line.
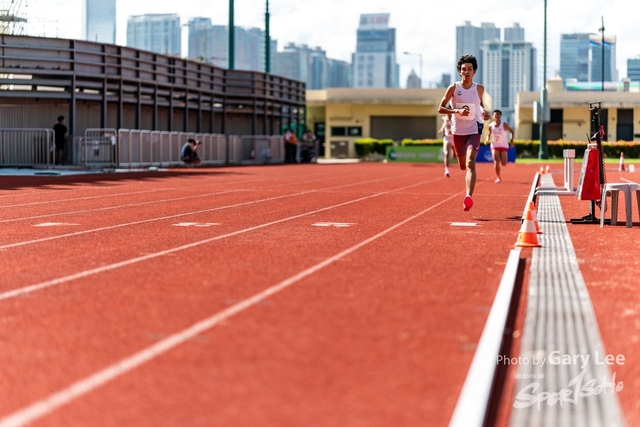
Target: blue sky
{"x":426,"y":27}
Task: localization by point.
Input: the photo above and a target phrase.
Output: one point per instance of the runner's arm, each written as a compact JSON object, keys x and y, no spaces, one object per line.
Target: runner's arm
{"x":511,"y":131}
{"x":485,"y":114}
{"x":444,"y":109}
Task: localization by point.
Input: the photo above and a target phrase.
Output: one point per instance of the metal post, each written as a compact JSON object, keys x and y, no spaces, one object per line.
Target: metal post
{"x":267,"y":42}
{"x":601,"y":29}
{"x":232,"y":33}
{"x":544,"y":153}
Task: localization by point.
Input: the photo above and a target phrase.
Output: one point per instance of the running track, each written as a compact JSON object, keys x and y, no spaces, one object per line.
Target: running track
{"x":324,"y":295}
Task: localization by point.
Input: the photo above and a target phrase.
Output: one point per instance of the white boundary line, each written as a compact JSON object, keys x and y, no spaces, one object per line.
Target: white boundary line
{"x":140,"y":203}
{"x":31,"y":288}
{"x":101,"y":196}
{"x":90,"y":383}
{"x":95,"y":230}
{"x":68,"y":200}
{"x":470,"y":411}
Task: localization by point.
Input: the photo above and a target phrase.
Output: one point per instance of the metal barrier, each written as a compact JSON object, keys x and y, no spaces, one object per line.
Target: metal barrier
{"x":98,"y":148}
{"x":251,"y":150}
{"x":132,"y":148}
{"x":144,"y":148}
{"x":27,"y":147}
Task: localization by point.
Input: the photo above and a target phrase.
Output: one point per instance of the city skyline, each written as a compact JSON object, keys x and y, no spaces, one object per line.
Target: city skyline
{"x":427,"y":33}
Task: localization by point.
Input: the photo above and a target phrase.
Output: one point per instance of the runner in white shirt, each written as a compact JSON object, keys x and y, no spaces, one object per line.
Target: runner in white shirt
{"x":447,"y":142}
{"x":499,"y":144}
{"x":468,"y":120}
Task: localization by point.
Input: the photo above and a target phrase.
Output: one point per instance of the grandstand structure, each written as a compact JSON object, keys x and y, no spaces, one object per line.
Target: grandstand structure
{"x":97,"y":85}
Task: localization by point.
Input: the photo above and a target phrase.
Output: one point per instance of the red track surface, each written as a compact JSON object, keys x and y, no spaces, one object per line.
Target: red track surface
{"x":371,"y":324}
{"x":609,"y":264}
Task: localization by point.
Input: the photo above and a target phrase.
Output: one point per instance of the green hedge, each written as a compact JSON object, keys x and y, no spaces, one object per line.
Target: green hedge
{"x":524,"y":149}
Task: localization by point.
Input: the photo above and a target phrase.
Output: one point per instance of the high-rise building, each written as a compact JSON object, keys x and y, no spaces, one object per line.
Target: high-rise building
{"x":445,"y":80}
{"x":292,"y":63}
{"x":581,"y":58}
{"x":249,"y":45}
{"x":201,"y":39}
{"x":99,"y":20}
{"x":509,"y":68}
{"x":633,"y":69}
{"x":339,"y":73}
{"x":469,"y":39}
{"x":514,"y":33}
{"x":413,"y":81}
{"x":597,"y":64}
{"x":374,"y":63}
{"x":574,"y":57}
{"x":160,"y":33}
{"x":311,"y":66}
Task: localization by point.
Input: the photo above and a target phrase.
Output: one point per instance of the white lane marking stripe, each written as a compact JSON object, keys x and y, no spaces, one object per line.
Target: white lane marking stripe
{"x":151,"y":201}
{"x":88,"y":384}
{"x":333,"y":224}
{"x":95,"y":230}
{"x":53,"y":224}
{"x":31,"y":288}
{"x":195,"y":224}
{"x":463,"y":224}
{"x":133,"y":193}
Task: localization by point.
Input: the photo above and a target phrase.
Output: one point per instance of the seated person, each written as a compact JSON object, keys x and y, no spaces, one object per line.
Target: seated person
{"x":189,"y":153}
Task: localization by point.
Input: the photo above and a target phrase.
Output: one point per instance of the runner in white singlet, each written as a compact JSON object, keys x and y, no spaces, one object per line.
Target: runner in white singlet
{"x":447,"y":143}
{"x":499,"y":144}
{"x":468,"y":120}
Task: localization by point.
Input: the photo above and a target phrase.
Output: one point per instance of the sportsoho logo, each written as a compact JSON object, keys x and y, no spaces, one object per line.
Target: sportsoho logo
{"x":579,"y":387}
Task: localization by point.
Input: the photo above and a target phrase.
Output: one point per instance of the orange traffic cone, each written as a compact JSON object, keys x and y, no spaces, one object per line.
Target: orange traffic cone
{"x":541,"y":170}
{"x":532,"y":208}
{"x":621,"y":167}
{"x":547,"y":169}
{"x":528,"y":236}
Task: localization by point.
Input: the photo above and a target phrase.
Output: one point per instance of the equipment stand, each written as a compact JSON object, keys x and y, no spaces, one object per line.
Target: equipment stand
{"x":598,"y":133}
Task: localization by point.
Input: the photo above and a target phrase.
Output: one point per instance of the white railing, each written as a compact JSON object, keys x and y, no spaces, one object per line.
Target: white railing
{"x":98,"y":148}
{"x":27,"y":147}
{"x":144,"y":148}
{"x":131,"y":148}
{"x":248,"y":150}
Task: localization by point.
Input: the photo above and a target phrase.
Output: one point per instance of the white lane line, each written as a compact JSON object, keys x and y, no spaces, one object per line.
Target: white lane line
{"x":463,"y":224}
{"x":112,"y":372}
{"x":111,"y":227}
{"x":153,"y":201}
{"x":333,"y":224}
{"x":53,"y":224}
{"x":31,"y":288}
{"x":128,"y":205}
{"x":102,"y":196}
{"x":195,"y":224}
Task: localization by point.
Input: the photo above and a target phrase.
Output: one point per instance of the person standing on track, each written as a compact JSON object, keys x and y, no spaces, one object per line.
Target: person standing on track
{"x":60,"y":137}
{"x":499,"y":145}
{"x":447,"y":142}
{"x":468,"y":117}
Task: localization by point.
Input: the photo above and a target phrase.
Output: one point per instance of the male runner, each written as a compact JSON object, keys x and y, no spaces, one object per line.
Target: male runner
{"x":468,"y":117}
{"x":447,"y":142}
{"x":499,"y":144}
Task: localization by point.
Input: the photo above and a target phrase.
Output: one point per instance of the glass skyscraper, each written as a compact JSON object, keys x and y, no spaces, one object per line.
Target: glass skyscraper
{"x":574,"y":57}
{"x":99,"y":21}
{"x":374,"y":63}
{"x":469,"y":39}
{"x":509,"y":68}
{"x":160,"y":33}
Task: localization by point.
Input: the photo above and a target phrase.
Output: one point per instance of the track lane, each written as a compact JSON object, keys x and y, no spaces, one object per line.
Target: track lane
{"x":297,"y":237}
